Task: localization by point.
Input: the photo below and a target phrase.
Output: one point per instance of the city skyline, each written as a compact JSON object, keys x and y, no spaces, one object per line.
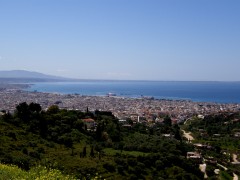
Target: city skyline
{"x":122,"y":40}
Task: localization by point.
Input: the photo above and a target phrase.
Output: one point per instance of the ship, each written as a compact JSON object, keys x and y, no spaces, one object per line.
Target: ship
{"x":111,"y":94}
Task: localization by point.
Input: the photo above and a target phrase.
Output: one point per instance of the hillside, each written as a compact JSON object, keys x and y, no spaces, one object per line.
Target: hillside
{"x":25,"y":74}
{"x":84,"y":144}
{"x":39,"y":172}
{"x":19,"y":76}
{"x":217,"y":139}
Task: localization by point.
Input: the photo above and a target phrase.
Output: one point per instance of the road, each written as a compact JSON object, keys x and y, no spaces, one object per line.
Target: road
{"x":188,"y":135}
{"x":202,"y":167}
{"x":235,"y":158}
{"x":235,"y":177}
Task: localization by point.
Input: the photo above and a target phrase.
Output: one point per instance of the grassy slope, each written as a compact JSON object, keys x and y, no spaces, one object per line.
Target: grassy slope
{"x":14,"y":173}
{"x":53,"y":155}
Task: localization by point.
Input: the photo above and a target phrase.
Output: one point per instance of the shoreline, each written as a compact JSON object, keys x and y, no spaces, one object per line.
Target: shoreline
{"x":26,"y":87}
{"x":149,"y":97}
{"x":121,"y":107}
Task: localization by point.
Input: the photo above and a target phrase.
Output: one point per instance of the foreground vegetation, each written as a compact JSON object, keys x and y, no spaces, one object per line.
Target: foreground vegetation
{"x":14,"y":173}
{"x":57,"y":143}
{"x":217,"y":138}
{"x":61,"y":139}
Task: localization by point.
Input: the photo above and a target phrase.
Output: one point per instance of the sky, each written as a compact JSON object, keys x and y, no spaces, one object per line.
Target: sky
{"x":185,"y":40}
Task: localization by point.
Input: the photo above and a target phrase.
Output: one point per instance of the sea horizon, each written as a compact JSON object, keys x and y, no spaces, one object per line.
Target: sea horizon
{"x":196,"y":91}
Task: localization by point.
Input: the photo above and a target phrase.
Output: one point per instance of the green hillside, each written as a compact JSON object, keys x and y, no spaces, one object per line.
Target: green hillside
{"x":15,"y":173}
{"x":83,"y":144}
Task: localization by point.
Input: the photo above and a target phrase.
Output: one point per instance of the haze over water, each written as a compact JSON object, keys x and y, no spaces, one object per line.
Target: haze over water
{"x":220,"y":92}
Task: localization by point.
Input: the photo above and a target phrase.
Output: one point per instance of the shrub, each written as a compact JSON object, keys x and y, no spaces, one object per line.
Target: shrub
{"x":34,"y":155}
{"x":37,"y":173}
{"x":109,"y":167}
{"x":25,"y":151}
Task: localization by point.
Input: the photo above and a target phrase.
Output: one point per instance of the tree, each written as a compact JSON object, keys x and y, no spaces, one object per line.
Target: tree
{"x":6,"y":116}
{"x":92,"y":152}
{"x":23,"y":111}
{"x":78,"y":124}
{"x":34,"y":107}
{"x":177,"y":133}
{"x":99,"y":131}
{"x":53,"y":109}
{"x":167,"y":121}
{"x":84,"y":152}
{"x":43,"y":127}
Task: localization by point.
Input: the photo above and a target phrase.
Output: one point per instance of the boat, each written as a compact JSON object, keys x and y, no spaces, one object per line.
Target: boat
{"x":111,"y":94}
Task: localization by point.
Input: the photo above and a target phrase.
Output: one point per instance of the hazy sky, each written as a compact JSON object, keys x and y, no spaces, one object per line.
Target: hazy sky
{"x":122,"y":39}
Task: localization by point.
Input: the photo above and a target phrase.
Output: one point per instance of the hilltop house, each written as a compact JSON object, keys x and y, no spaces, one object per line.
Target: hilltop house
{"x":90,"y":124}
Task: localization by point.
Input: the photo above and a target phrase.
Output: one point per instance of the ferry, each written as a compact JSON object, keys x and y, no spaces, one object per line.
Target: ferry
{"x":111,"y":94}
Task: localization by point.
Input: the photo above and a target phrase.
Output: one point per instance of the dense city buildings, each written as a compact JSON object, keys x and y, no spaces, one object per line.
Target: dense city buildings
{"x":137,"y":109}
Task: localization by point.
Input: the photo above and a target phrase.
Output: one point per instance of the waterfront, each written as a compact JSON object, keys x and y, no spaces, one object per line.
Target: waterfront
{"x":219,"y":92}
{"x":136,"y":109}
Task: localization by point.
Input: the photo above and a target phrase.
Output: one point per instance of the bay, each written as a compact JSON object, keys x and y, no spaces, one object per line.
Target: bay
{"x":220,"y":92}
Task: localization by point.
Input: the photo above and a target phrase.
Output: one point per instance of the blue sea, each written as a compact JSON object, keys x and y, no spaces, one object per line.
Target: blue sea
{"x":220,"y":92}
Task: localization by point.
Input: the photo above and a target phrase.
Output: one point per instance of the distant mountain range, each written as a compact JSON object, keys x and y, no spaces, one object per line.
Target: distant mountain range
{"x":28,"y":76}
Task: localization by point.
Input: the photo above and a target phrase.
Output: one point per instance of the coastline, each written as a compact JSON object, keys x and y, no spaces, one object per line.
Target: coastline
{"x":212,"y":92}
{"x":121,"y":107}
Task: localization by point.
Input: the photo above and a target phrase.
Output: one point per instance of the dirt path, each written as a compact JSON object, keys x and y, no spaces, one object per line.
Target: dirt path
{"x":188,"y":135}
{"x":235,"y":158}
{"x":225,"y":168}
{"x":202,"y":167}
{"x":235,"y":177}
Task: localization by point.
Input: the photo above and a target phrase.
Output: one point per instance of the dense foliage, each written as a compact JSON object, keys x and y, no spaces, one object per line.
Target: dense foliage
{"x":219,"y":129}
{"x":15,"y":173}
{"x":62,"y":139}
{"x":220,"y":136}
